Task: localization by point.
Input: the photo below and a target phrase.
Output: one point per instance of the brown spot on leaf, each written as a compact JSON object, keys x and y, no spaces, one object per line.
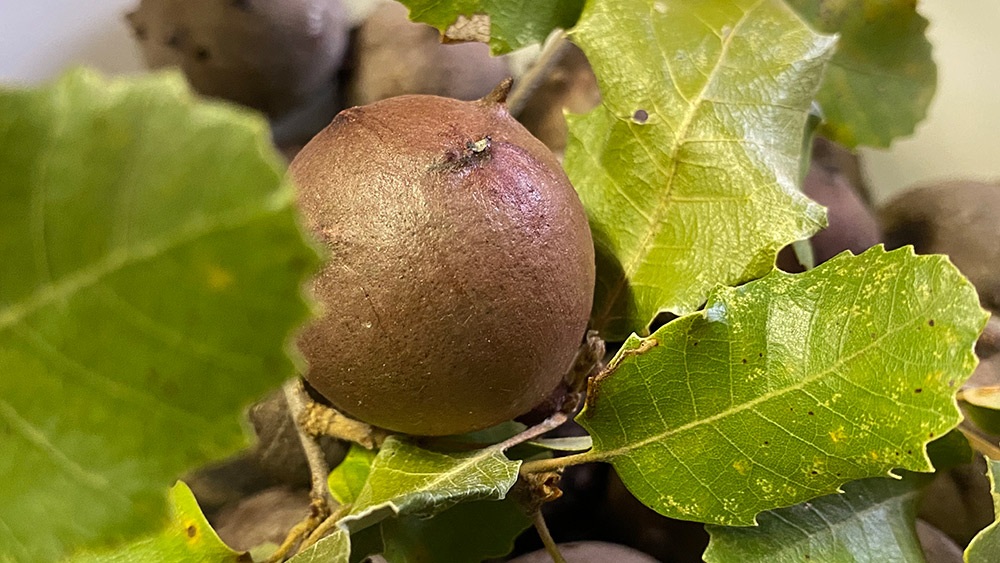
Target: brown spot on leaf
{"x":476,"y":28}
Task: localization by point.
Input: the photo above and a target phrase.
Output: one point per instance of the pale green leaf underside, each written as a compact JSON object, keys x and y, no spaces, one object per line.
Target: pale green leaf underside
{"x":568,"y":444}
{"x":334,"y":548}
{"x":188,"y":538}
{"x":400,"y":487}
{"x":151,"y":272}
{"x":688,"y":169}
{"x":985,"y":547}
{"x":787,"y":387}
{"x":873,"y":521}
{"x":882,"y":78}
{"x":513,"y":23}
{"x":408,"y":480}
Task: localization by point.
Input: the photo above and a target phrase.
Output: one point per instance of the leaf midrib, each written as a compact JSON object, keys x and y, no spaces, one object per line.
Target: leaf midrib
{"x":607,"y":454}
{"x":457,"y":469}
{"x":118,"y":259}
{"x":642,"y":250}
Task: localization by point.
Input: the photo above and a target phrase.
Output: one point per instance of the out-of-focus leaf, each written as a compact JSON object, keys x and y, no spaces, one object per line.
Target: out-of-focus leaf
{"x":188,"y":538}
{"x":688,"y":168}
{"x":151,"y":273}
{"x":882,"y":77}
{"x":505,"y":24}
{"x":366,"y":543}
{"x":348,"y":478}
{"x":983,"y":406}
{"x":787,"y":387}
{"x":872,"y":521}
{"x":466,"y":533}
{"x":408,"y":480}
{"x":951,"y":450}
{"x":985,"y":547}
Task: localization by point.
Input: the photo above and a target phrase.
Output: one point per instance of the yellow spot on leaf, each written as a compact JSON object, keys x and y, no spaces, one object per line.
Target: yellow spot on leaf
{"x":218,"y":278}
{"x":742,"y":465}
{"x":838,"y":435}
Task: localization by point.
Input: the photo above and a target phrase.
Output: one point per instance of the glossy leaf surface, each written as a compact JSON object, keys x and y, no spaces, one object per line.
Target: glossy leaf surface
{"x":688,"y":169}
{"x":787,"y":387}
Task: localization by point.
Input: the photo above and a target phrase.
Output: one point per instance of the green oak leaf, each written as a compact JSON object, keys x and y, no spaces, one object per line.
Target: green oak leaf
{"x":416,"y":500}
{"x":408,"y":480}
{"x":466,"y":533}
{"x":505,"y":24}
{"x":151,"y":273}
{"x":688,"y":169}
{"x":872,"y":521}
{"x":348,"y":479}
{"x":787,"y":387}
{"x":188,"y":538}
{"x":334,"y":548}
{"x":882,"y":77}
{"x":986,"y":545}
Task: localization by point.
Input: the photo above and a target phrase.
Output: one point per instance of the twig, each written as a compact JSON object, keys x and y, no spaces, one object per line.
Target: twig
{"x":295,"y":396}
{"x":529,"y":82}
{"x":550,"y":423}
{"x":543,"y":532}
{"x":323,"y":420}
{"x":293,"y":537}
{"x":325,"y":526}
